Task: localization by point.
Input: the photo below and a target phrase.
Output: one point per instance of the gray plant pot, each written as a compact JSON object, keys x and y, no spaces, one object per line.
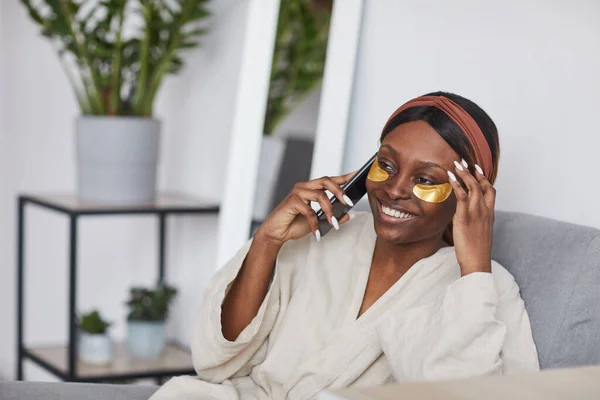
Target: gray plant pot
{"x":146,"y":339}
{"x":117,"y":159}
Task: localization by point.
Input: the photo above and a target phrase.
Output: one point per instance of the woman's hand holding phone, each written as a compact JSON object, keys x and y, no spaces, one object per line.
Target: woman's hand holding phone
{"x":294,"y":217}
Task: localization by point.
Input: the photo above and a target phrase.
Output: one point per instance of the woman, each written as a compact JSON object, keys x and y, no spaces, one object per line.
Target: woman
{"x":407,"y":293}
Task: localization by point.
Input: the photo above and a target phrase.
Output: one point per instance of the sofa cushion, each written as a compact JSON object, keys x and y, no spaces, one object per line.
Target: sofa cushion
{"x":556,"y":265}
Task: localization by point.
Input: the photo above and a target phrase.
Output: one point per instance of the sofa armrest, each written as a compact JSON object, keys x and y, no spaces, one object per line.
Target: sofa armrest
{"x":80,"y":391}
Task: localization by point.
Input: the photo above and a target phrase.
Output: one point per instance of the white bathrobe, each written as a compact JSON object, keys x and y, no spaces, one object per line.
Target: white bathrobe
{"x":432,"y":324}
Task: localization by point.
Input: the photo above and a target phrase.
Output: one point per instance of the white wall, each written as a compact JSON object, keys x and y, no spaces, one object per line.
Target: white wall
{"x":7,"y":213}
{"x":533,"y":65}
{"x":114,"y":252}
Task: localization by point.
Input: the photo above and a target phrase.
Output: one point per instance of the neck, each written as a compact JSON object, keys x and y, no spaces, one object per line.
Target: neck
{"x":398,"y":259}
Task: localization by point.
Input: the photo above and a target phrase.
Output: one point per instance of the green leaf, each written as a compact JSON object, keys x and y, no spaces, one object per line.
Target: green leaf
{"x":93,"y":323}
{"x":147,"y":304}
{"x":124,"y":77}
{"x":298,"y":57}
{"x":197,"y":32}
{"x":189,"y":45}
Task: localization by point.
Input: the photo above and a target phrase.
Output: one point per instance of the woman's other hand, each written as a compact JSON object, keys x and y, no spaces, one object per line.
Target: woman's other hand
{"x":473,"y":221}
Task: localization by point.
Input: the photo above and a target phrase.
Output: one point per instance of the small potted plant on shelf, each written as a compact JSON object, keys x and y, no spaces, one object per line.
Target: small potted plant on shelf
{"x":95,"y":345}
{"x":146,"y":322}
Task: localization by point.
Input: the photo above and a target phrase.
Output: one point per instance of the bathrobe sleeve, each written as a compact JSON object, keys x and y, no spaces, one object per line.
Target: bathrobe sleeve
{"x":216,"y":358}
{"x":478,"y":327}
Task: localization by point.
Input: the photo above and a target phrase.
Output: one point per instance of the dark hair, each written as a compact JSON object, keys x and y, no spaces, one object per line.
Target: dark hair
{"x":450,"y":131}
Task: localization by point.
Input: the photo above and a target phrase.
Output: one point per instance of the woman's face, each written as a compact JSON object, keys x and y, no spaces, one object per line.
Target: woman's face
{"x":413,"y":153}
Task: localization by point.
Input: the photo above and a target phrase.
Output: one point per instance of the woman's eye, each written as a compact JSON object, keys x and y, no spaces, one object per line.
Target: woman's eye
{"x":385,"y":166}
{"x":424,"y":181}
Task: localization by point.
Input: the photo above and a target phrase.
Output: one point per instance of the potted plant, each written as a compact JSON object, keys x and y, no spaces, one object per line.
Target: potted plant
{"x":95,"y":345}
{"x":116,"y":54}
{"x":296,"y":70}
{"x":146,"y":322}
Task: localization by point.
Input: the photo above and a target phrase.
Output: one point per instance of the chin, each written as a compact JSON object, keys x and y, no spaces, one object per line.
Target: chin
{"x":391,"y":234}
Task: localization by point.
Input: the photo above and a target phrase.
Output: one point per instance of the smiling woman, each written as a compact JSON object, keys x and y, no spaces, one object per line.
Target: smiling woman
{"x":420,"y":131}
{"x":392,"y":295}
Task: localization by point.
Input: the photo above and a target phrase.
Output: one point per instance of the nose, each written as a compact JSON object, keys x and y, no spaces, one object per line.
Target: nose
{"x":399,"y":187}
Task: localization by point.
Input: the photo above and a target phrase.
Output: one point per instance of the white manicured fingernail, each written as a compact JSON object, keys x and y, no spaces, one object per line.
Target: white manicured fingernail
{"x":464,"y":163}
{"x":318,"y":235}
{"x":478,"y":168}
{"x":352,"y":215}
{"x":451,"y":175}
{"x":348,"y":201}
{"x":335,"y":223}
{"x":458,"y":166}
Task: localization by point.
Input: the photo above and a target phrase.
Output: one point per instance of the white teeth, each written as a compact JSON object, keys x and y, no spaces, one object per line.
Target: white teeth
{"x":396,"y":213}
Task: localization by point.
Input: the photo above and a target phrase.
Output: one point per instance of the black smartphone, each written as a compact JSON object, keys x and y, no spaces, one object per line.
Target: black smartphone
{"x":355,"y":188}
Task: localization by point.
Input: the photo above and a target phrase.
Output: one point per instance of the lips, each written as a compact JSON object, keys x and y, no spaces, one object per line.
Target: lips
{"x":394,"y":214}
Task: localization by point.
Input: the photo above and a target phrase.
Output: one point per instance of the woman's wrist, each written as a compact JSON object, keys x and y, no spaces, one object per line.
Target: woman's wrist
{"x":266,"y":245}
{"x":481,"y":266}
{"x":262,"y":239}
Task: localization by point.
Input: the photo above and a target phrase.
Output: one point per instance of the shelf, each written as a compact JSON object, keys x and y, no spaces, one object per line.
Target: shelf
{"x":57,"y":359}
{"x":174,"y":361}
{"x":165,"y":203}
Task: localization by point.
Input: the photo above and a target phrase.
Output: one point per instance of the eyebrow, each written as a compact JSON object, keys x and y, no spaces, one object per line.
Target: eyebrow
{"x":429,"y":164}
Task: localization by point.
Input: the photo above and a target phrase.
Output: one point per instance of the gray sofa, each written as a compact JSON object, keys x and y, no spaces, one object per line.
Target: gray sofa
{"x":556,"y":264}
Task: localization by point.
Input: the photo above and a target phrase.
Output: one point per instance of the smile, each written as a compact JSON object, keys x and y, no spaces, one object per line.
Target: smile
{"x":395,"y":215}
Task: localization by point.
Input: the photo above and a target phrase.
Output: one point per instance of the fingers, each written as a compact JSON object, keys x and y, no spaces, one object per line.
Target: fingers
{"x":474,"y":189}
{"x":461,"y":195}
{"x":344,"y":178}
{"x":315,"y":190}
{"x":333,"y":185}
{"x":301,"y":207}
{"x":347,"y":217}
{"x":320,"y":197}
{"x":480,"y":191}
{"x":489,"y":191}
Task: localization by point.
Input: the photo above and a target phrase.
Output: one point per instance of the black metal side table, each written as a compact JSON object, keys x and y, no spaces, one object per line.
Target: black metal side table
{"x":61,"y":361}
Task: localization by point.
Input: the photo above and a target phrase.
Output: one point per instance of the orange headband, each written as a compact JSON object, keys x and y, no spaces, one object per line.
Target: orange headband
{"x":483,"y":154}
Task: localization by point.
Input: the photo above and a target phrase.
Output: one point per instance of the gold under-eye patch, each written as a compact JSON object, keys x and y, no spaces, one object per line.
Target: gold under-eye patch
{"x":376,"y":174}
{"x":434,"y":193}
